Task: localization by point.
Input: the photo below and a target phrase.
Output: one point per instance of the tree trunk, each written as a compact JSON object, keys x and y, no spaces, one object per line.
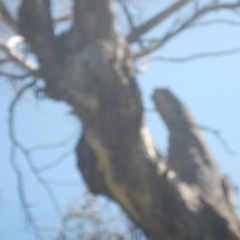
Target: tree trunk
{"x":91,"y":67}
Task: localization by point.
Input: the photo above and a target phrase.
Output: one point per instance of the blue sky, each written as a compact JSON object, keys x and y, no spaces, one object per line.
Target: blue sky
{"x":209,"y":87}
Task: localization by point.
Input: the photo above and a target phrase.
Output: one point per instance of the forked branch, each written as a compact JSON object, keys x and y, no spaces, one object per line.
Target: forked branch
{"x":160,"y":17}
{"x":156,"y":44}
{"x":17,"y":145}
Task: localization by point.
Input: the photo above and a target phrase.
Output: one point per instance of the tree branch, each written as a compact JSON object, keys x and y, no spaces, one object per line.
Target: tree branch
{"x":85,"y":13}
{"x":129,"y":18}
{"x":137,"y":32}
{"x":20,"y":183}
{"x":213,"y":131}
{"x":21,"y":193}
{"x":17,"y":145}
{"x":35,"y":23}
{"x":219,"y":137}
{"x":56,"y":162}
{"x":13,"y":76}
{"x":53,"y":145}
{"x":194,"y":56}
{"x":18,"y":57}
{"x":186,"y":24}
{"x":127,"y":13}
{"x":189,"y":155}
{"x":217,"y":21}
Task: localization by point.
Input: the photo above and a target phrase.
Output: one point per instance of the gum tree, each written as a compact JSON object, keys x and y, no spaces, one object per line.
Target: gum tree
{"x":91,"y":66}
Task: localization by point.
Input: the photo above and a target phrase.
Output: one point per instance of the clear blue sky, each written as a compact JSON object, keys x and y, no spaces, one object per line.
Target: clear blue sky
{"x":209,"y":87}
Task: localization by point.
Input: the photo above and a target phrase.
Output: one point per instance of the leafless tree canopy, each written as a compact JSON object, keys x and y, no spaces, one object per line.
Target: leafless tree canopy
{"x":86,"y":52}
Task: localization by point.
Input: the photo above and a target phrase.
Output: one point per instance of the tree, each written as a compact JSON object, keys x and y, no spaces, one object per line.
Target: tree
{"x":91,"y":67}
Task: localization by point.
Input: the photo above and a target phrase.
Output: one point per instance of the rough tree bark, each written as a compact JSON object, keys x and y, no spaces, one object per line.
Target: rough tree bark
{"x":92,"y":68}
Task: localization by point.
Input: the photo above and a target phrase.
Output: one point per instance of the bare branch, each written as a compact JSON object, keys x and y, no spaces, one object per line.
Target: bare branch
{"x":89,"y":222}
{"x":14,"y":76}
{"x":40,"y":179}
{"x":52,"y":146}
{"x":55,"y":163}
{"x":137,"y":32}
{"x":129,"y":18}
{"x":213,"y":131}
{"x":17,"y":145}
{"x":7,"y":17}
{"x":127,"y":13}
{"x":12,"y":108}
{"x":194,"y":56}
{"x":172,"y":33}
{"x":18,"y":57}
{"x":216,"y":21}
{"x":22,"y":196}
{"x":219,"y":137}
{"x":20,"y":183}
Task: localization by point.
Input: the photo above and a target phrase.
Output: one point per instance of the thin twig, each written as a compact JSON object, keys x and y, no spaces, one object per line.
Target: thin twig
{"x":185,"y":25}
{"x":127,"y":13}
{"x":218,"y":135}
{"x":21,"y":193}
{"x":62,"y":143}
{"x":129,"y":18}
{"x":15,"y":76}
{"x":217,"y":21}
{"x":160,"y":17}
{"x":12,"y":108}
{"x":20,"y":183}
{"x":194,"y":56}
{"x":213,"y":131}
{"x":17,"y":145}
{"x":56,"y":162}
{"x":41,"y":180}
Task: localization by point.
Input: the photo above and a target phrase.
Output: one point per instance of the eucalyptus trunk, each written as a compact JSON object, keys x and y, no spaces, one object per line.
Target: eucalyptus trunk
{"x":92,"y":68}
